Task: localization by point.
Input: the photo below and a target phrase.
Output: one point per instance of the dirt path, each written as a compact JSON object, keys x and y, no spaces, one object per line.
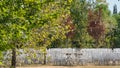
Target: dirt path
{"x":70,"y":67}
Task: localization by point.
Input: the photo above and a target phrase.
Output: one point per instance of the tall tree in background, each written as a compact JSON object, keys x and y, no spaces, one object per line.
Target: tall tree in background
{"x":108,"y":21}
{"x":95,"y":23}
{"x":79,"y":17}
{"x":96,"y":27}
{"x":115,"y":9}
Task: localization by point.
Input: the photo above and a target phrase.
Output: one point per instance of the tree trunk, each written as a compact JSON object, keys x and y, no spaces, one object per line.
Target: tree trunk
{"x":44,"y":58}
{"x":97,"y":43}
{"x":13,"y":63}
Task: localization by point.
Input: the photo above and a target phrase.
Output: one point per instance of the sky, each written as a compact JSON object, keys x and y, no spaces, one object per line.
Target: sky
{"x":111,"y":3}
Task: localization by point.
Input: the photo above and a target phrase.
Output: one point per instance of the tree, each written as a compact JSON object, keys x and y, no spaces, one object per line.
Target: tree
{"x":96,"y":27}
{"x":79,"y":18}
{"x":31,"y":23}
{"x":116,"y":31}
{"x":17,"y":18}
{"x":115,"y":9}
{"x":108,"y":22}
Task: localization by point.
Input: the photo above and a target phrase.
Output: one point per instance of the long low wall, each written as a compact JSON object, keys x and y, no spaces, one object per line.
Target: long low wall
{"x":66,"y":56}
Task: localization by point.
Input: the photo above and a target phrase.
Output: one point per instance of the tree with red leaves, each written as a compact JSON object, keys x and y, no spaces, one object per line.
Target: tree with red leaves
{"x":95,"y":25}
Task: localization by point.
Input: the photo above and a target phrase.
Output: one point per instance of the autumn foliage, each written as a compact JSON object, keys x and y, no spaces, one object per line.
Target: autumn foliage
{"x":95,"y":24}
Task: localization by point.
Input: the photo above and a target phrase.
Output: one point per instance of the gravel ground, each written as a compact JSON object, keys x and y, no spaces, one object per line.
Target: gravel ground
{"x":37,"y":66}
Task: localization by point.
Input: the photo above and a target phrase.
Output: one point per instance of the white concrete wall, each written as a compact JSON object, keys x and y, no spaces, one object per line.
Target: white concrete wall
{"x":58,"y":56}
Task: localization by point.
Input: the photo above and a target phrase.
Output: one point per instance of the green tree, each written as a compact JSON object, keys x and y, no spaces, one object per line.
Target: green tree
{"x":17,"y":18}
{"x":116,"y":31}
{"x":31,"y":23}
{"x":79,"y":17}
